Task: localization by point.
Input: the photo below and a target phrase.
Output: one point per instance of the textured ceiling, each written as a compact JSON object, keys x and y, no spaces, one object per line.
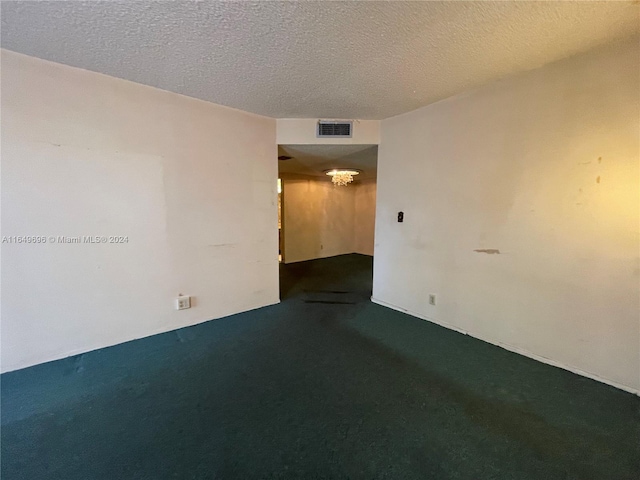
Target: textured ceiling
{"x":367,"y":60}
{"x":315,"y":159}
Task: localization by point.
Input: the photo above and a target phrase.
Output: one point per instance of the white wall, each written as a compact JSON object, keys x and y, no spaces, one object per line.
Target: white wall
{"x":302,"y":131}
{"x":544,"y":168}
{"x":191,"y":184}
{"x":364,"y":217}
{"x":321,"y":220}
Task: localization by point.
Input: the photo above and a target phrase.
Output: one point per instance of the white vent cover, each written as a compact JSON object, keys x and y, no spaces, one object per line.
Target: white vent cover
{"x":333,"y":129}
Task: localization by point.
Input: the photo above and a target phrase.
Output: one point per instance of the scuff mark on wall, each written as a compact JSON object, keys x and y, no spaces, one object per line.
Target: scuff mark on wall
{"x":490,"y":251}
{"x":598,"y":179}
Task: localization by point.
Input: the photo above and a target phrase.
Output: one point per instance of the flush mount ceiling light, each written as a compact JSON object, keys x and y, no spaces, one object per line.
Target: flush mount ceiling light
{"x":342,"y":176}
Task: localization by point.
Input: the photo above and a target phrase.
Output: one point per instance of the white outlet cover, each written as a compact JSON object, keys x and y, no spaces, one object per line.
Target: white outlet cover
{"x":183,"y":302}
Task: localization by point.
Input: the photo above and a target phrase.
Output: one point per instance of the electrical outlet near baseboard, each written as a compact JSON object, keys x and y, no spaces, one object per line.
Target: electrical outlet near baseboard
{"x":432,"y":299}
{"x":183,"y":302}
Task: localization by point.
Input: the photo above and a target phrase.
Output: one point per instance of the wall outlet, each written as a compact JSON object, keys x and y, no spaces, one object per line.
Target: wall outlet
{"x":183,"y":302}
{"x":432,"y":299}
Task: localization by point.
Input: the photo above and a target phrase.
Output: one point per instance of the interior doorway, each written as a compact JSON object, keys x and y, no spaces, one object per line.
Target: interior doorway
{"x":280,"y":234}
{"x":326,"y":201}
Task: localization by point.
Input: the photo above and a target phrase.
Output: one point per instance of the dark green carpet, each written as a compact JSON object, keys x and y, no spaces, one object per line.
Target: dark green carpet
{"x":324,"y":385}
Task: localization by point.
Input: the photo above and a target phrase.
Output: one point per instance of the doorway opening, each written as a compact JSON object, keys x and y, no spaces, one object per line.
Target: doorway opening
{"x":280,"y":249}
{"x":321,"y":214}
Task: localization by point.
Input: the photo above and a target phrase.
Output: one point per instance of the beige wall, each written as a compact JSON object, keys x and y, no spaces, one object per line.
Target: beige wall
{"x":321,"y":220}
{"x":365,"y":217}
{"x":543,"y":167}
{"x":192,"y":186}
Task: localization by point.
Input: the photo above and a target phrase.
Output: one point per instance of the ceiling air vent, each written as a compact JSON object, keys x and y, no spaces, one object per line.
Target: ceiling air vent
{"x":334,"y":129}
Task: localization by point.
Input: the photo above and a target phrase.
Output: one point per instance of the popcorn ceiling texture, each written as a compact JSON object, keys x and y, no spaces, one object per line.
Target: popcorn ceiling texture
{"x":368,"y":60}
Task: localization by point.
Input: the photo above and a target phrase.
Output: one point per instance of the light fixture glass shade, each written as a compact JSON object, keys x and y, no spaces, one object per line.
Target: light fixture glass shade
{"x":342,"y":177}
